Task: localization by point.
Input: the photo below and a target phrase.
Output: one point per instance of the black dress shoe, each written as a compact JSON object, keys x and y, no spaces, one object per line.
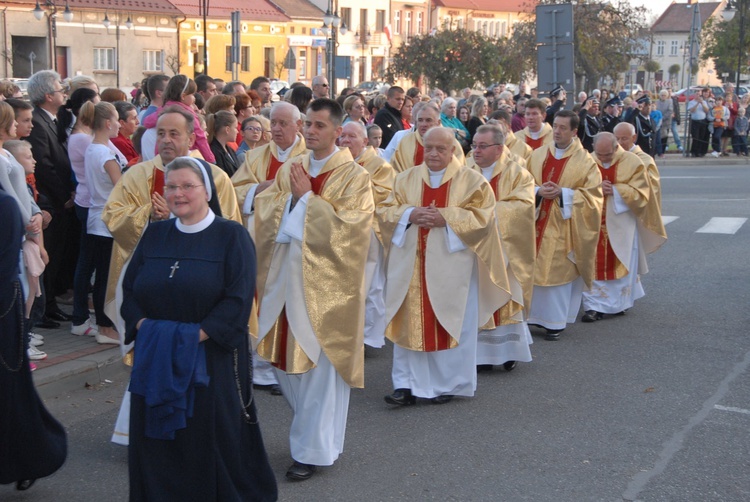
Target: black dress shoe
{"x":47,"y":323}
{"x":553,"y":334}
{"x":401,"y":397}
{"x":300,"y":472}
{"x":510,"y":365}
{"x":445,"y":398}
{"x":59,"y":315}
{"x":276,"y":390}
{"x":24,"y":484}
{"x":591,"y":316}
{"x":481,"y":368}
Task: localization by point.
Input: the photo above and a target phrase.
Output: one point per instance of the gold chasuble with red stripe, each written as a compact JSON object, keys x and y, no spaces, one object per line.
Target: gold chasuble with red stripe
{"x":608,"y":267}
{"x":434,"y":335}
{"x":273,"y":168}
{"x":428,"y":282}
{"x":534,"y":143}
{"x":419,"y":154}
{"x":552,"y":171}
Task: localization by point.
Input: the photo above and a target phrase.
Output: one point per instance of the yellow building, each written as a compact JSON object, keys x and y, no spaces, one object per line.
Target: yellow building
{"x":262,"y":38}
{"x":494,"y":18}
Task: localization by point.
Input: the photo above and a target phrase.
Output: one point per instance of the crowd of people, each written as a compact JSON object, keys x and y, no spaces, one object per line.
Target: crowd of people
{"x":227,"y":242}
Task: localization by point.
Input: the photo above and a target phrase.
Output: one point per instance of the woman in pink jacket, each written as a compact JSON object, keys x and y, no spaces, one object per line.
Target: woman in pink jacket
{"x":180,"y":91}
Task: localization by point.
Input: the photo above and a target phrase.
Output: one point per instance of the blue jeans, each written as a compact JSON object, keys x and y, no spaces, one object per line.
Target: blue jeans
{"x":675,"y":135}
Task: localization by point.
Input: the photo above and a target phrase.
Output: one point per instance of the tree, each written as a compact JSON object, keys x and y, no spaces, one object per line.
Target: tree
{"x":674,"y":70}
{"x":651,"y":67}
{"x":449,"y":59}
{"x":606,"y":36}
{"x":720,"y":41}
{"x":518,"y":58}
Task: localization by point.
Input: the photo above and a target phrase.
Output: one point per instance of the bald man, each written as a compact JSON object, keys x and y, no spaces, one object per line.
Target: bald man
{"x":625,"y":187}
{"x":354,"y":137}
{"x":443,"y":247}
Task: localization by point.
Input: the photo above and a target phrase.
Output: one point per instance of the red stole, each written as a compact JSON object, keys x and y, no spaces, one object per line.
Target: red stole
{"x":551,"y":171}
{"x":534,"y":143}
{"x":434,"y":335}
{"x":606,"y":260}
{"x":494,"y":182}
{"x":419,"y":154}
{"x":273,"y":168}
{"x":317,"y":185}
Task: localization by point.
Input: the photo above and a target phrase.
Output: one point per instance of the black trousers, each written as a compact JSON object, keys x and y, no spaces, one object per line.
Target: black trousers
{"x":700,"y":138}
{"x":61,"y":239}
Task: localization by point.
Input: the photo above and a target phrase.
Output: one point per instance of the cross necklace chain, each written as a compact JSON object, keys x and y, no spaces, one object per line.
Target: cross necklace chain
{"x":174,"y":268}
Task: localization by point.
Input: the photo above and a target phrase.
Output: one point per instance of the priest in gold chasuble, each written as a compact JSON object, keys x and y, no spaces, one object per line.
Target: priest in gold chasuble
{"x":505,"y":339}
{"x":626,"y":190}
{"x":313,"y":227}
{"x":354,"y":137}
{"x":445,"y":273}
{"x":569,"y":205}
{"x":410,"y":151}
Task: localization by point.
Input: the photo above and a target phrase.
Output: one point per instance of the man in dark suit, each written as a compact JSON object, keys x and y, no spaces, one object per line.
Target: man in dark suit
{"x":54,"y":179}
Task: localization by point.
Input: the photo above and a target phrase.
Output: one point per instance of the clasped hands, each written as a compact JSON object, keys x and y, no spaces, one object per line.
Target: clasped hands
{"x":427,"y":217}
{"x":159,"y":209}
{"x":549,"y":190}
{"x":300,"y":181}
{"x":607,"y":188}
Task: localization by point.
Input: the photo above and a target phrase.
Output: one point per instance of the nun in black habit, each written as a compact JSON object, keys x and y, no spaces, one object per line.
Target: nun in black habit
{"x":32,"y":443}
{"x":196,"y":270}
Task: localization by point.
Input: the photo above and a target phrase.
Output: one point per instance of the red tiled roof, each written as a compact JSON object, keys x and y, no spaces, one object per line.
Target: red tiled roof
{"x":489,"y":5}
{"x":299,"y":9}
{"x":679,"y":17}
{"x":148,"y":6}
{"x":251,"y":10}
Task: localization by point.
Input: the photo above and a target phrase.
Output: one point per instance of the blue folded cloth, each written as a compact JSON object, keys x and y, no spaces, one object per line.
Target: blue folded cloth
{"x":169,"y":364}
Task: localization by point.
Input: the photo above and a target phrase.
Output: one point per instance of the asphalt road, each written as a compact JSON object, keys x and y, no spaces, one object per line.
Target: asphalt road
{"x":652,"y":406}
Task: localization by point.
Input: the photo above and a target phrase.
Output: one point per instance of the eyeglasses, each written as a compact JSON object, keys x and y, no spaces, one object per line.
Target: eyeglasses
{"x":253,"y":129}
{"x":323,"y":85}
{"x":483,"y":146}
{"x":61,"y":91}
{"x":186,"y":188}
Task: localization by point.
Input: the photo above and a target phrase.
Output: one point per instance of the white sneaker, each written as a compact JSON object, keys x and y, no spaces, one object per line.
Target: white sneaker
{"x":36,"y":336}
{"x":105,"y":339}
{"x":716,"y":154}
{"x":85,"y":329}
{"x":33,"y":342}
{"x":36,"y":354}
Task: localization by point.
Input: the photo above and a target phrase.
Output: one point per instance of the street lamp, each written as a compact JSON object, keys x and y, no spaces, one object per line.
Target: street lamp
{"x":331,"y":27}
{"x":38,"y":13}
{"x":129,"y":24}
{"x":729,"y":11}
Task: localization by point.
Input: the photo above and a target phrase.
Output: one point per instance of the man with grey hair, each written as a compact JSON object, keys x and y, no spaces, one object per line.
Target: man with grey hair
{"x":625,"y":186}
{"x":505,"y":339}
{"x":320,"y":87}
{"x":396,"y":139}
{"x":54,"y":180}
{"x":410,"y":151}
{"x":441,"y":210}
{"x":354,"y":137}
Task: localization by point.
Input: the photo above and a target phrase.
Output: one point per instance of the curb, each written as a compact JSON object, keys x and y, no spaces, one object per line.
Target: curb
{"x":93,"y":369}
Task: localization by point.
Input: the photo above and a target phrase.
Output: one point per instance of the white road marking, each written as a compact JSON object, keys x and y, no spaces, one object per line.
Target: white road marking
{"x":668,"y":219}
{"x":731,"y":408}
{"x":722,"y":226}
{"x":691,"y":177}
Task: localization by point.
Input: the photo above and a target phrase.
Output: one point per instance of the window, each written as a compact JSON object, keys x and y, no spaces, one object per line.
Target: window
{"x":504,"y":29}
{"x":153,"y":60}
{"x":673,"y":48}
{"x":244,"y":58}
{"x":407,"y":28}
{"x":104,"y":58}
{"x":363,"y":28}
{"x":397,"y":22}
{"x":302,"y":63}
{"x":420,"y":23}
{"x":346,"y":17}
{"x":379,"y":20}
{"x":660,"y":47}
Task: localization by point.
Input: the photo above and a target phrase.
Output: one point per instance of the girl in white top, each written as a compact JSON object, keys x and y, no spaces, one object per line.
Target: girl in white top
{"x":103,"y":166}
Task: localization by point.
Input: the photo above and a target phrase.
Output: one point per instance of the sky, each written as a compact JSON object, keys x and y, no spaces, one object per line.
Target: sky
{"x":655,"y":6}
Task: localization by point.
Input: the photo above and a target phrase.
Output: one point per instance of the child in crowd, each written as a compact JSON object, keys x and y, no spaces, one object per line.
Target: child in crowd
{"x":375,"y":138}
{"x":739,"y":139}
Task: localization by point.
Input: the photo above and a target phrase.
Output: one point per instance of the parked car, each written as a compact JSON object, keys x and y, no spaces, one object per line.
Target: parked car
{"x":742,"y":90}
{"x":276,"y":86}
{"x":688,"y":94}
{"x":22,"y":84}
{"x":369,"y":87}
{"x":631,"y":89}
